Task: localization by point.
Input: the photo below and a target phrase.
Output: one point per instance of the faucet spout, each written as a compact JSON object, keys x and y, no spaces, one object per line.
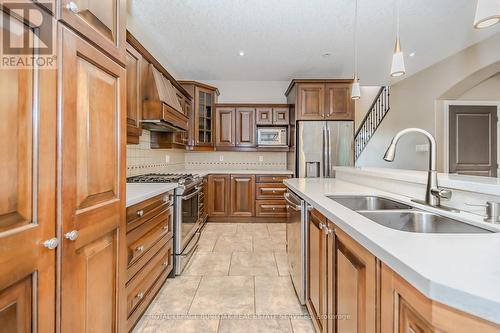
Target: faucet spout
{"x":433,"y":194}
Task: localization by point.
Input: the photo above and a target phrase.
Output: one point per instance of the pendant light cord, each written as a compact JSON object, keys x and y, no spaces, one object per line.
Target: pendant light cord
{"x":397,"y":18}
{"x":355,"y":38}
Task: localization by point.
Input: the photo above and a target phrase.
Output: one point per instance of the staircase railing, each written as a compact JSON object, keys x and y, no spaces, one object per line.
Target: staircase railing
{"x":372,"y":120}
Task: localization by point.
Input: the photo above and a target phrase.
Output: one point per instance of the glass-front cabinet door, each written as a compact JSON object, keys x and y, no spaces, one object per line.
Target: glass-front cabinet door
{"x":204,"y":126}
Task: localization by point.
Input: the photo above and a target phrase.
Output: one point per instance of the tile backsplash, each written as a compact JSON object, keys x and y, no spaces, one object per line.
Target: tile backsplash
{"x":236,"y":160}
{"x":142,"y":159}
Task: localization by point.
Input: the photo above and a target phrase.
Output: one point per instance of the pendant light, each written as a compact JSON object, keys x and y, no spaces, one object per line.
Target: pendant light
{"x":487,"y":13}
{"x":398,"y":61}
{"x":355,"y":90}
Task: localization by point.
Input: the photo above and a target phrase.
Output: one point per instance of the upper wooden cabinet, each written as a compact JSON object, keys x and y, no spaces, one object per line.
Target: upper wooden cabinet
{"x":28,"y":132}
{"x":225,"y":128}
{"x":101,"y":21}
{"x":93,"y":136}
{"x":272,"y":115}
{"x":264,"y":116}
{"x":243,"y":195}
{"x":134,"y":94}
{"x":245,"y":127}
{"x":202,"y":123}
{"x":321,"y":99}
{"x":338,"y":102}
{"x":281,"y":116}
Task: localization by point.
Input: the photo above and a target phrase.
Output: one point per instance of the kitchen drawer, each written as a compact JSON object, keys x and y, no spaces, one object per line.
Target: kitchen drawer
{"x":271,"y":178}
{"x":270,"y":208}
{"x":163,"y":244}
{"x":139,"y":287}
{"x":141,"y":212}
{"x":270,"y":190}
{"x":142,"y":238}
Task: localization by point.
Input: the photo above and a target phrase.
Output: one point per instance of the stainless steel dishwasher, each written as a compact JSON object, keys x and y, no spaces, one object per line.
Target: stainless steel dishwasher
{"x":296,"y":239}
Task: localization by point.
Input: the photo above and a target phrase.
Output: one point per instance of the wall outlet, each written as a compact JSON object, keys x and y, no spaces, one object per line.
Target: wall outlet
{"x":221,"y":158}
{"x":167,"y":158}
{"x":422,"y":148}
{"x":261,"y":158}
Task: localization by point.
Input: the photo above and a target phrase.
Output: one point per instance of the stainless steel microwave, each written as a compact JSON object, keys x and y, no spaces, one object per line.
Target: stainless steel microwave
{"x":272,"y":136}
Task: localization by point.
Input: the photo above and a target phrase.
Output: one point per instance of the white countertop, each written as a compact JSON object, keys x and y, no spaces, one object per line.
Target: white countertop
{"x":238,"y":172}
{"x":138,"y":192}
{"x":459,"y":270}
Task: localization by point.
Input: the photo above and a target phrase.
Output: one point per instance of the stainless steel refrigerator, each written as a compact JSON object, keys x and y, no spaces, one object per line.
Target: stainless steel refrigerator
{"x":322,"y":145}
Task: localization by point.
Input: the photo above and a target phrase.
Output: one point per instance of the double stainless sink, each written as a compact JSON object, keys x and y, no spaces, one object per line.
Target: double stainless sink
{"x":399,"y":216}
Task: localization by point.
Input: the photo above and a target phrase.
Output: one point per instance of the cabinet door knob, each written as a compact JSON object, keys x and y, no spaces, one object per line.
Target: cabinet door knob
{"x":140,"y":295}
{"x":51,"y":243}
{"x":165,"y":227}
{"x":321,"y":226}
{"x":140,"y":248}
{"x":72,"y":7}
{"x":165,"y":263}
{"x":140,"y":213}
{"x":72,"y":235}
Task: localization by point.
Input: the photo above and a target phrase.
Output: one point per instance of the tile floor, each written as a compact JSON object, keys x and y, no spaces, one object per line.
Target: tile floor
{"x":237,"y":281}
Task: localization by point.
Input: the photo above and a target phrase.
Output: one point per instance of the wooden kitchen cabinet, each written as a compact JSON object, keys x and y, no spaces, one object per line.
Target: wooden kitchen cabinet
{"x":264,"y":116}
{"x":134,"y":95}
{"x":338,"y":102}
{"x":28,"y":131}
{"x":243,"y":195}
{"x":219,"y":189}
{"x":352,"y":284}
{"x":93,"y":101}
{"x":226,"y":133}
{"x":101,"y":21}
{"x":317,"y":292}
{"x":320,"y":99}
{"x":202,"y":123}
{"x":281,"y":116}
{"x":245,"y":127}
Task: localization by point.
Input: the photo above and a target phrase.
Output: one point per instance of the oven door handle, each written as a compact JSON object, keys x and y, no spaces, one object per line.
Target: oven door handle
{"x":291,"y":204}
{"x":189,"y":196}
{"x":195,"y":246}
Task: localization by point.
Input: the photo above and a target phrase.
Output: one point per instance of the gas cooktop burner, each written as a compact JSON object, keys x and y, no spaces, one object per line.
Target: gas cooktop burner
{"x":181,"y":178}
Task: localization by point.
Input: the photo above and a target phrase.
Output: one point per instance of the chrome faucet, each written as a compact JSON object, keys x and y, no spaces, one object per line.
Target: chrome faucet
{"x":433,"y":193}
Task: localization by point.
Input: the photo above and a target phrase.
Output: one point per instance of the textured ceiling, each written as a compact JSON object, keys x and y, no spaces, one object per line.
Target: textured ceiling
{"x":286,"y":39}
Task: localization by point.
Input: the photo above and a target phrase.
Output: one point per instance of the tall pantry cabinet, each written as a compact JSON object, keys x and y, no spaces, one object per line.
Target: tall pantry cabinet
{"x":62,"y":174}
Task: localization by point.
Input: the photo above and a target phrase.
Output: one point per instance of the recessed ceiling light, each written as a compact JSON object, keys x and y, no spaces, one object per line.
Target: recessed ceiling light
{"x":326,"y":55}
{"x":412,"y":54}
{"x":242,"y":53}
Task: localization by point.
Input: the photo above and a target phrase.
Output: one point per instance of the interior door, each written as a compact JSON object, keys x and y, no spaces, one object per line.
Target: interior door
{"x":27,"y":190}
{"x":473,"y":140}
{"x":92,"y":139}
{"x":102,"y":21}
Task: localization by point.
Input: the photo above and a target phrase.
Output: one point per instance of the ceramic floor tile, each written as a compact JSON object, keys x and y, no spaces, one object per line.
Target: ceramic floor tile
{"x":257,"y":230}
{"x":220,"y":228}
{"x":208,"y":263}
{"x":276,"y":227}
{"x":282,"y":263}
{"x":229,"y":244}
{"x":224,"y":295}
{"x":181,"y":326}
{"x":256,"y":325}
{"x":253,"y":263}
{"x":302,"y":325}
{"x":175,"y":297}
{"x":268,"y":245}
{"x":275,"y":295}
{"x":207,"y":242}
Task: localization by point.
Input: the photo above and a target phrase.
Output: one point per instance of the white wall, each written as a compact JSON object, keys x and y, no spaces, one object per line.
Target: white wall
{"x":251,"y":91}
{"x":488,"y":90}
{"x":417,"y":101}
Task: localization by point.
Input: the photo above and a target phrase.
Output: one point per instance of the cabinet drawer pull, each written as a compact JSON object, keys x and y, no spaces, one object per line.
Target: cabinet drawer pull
{"x":321,"y":226}
{"x":140,"y":295}
{"x":72,"y":7}
{"x":140,"y":248}
{"x":165,"y":227}
{"x":140,"y":213}
{"x":165,"y":263}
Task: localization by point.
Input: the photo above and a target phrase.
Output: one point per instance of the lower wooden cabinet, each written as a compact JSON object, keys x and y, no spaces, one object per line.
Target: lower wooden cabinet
{"x":149,"y":252}
{"x":242,"y":195}
{"x":218,"y":195}
{"x":317,"y":277}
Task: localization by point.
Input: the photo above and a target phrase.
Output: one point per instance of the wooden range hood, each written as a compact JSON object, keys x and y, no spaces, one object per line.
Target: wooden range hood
{"x":161,"y":109}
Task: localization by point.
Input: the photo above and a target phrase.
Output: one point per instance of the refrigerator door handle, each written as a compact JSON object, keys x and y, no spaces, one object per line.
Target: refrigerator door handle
{"x":329,"y":151}
{"x":325,"y":154}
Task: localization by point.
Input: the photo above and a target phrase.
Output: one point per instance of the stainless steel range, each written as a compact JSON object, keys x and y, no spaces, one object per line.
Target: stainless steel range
{"x":187,"y":219}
